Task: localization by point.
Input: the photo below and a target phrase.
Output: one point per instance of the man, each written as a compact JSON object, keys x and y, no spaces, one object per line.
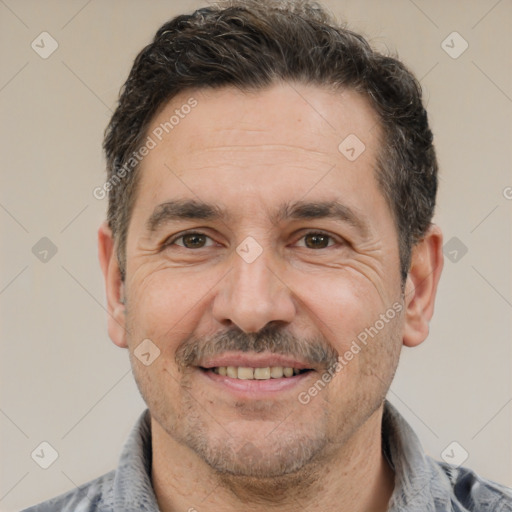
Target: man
{"x":268,"y":250}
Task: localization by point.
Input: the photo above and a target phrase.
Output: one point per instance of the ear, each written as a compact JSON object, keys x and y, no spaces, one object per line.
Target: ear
{"x":421,"y":286}
{"x":114,"y":286}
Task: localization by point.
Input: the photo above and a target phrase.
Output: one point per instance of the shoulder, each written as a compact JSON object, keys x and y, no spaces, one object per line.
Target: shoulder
{"x":96,"y":495}
{"x":474,"y":493}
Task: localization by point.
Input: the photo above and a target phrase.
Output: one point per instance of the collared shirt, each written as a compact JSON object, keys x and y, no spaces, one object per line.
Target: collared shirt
{"x":421,"y":483}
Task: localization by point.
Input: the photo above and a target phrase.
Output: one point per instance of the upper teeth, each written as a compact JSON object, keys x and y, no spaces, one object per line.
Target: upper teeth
{"x":247,"y":373}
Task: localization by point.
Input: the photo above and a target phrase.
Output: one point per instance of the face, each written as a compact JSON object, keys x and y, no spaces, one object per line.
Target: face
{"x":257,"y":243}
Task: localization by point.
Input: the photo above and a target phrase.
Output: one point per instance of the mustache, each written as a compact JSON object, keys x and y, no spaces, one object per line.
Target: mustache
{"x":315,"y":351}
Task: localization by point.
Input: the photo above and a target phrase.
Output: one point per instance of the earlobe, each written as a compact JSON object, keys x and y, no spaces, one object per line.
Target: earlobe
{"x":114,"y":286}
{"x":421,"y":286}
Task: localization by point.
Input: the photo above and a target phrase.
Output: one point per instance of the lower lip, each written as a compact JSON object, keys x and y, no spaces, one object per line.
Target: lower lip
{"x":254,"y":388}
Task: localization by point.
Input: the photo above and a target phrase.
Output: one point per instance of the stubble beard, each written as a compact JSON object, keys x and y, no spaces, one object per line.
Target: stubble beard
{"x":283,"y":460}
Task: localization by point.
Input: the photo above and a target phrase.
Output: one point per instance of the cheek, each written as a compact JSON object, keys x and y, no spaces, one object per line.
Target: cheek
{"x":168,"y":305}
{"x":164,"y":309}
{"x":348,"y":312}
{"x":342,"y":307}
{"x":159,"y":305}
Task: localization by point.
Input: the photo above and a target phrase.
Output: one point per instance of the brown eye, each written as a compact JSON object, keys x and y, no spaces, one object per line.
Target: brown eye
{"x":191,"y":240}
{"x":317,"y":240}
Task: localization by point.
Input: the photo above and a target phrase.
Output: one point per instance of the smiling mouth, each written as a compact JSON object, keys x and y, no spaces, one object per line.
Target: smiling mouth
{"x":250,"y":373}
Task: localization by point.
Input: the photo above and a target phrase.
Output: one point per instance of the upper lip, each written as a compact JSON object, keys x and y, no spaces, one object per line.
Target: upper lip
{"x":261,"y":360}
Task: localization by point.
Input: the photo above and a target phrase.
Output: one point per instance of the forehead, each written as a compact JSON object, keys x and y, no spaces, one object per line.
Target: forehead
{"x":313,"y":117}
{"x":279,"y":141}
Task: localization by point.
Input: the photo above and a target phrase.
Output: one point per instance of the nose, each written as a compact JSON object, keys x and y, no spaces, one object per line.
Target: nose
{"x":252,"y":294}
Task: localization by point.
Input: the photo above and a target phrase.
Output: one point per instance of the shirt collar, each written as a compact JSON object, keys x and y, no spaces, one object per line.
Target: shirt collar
{"x":133,"y":489}
{"x":420,"y":483}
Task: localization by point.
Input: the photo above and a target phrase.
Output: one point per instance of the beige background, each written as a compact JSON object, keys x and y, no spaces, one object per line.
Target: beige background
{"x":64,"y":382}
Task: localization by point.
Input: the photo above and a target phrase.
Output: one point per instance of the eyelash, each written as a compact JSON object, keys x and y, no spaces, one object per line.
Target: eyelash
{"x":171,"y":241}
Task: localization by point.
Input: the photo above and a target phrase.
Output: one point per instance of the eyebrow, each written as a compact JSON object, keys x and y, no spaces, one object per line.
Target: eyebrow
{"x":191,"y":209}
{"x":182,"y":209}
{"x":335,"y":210}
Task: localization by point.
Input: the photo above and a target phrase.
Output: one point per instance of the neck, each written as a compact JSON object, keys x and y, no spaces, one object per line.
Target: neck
{"x":354,"y":477}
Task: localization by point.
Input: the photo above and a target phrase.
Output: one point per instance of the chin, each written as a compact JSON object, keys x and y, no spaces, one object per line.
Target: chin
{"x":268,"y":458}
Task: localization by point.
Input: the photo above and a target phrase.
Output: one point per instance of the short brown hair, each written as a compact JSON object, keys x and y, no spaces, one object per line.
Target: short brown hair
{"x":251,"y":44}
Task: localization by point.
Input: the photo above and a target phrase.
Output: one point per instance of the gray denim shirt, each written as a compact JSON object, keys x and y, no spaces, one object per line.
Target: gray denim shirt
{"x":421,"y":483}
